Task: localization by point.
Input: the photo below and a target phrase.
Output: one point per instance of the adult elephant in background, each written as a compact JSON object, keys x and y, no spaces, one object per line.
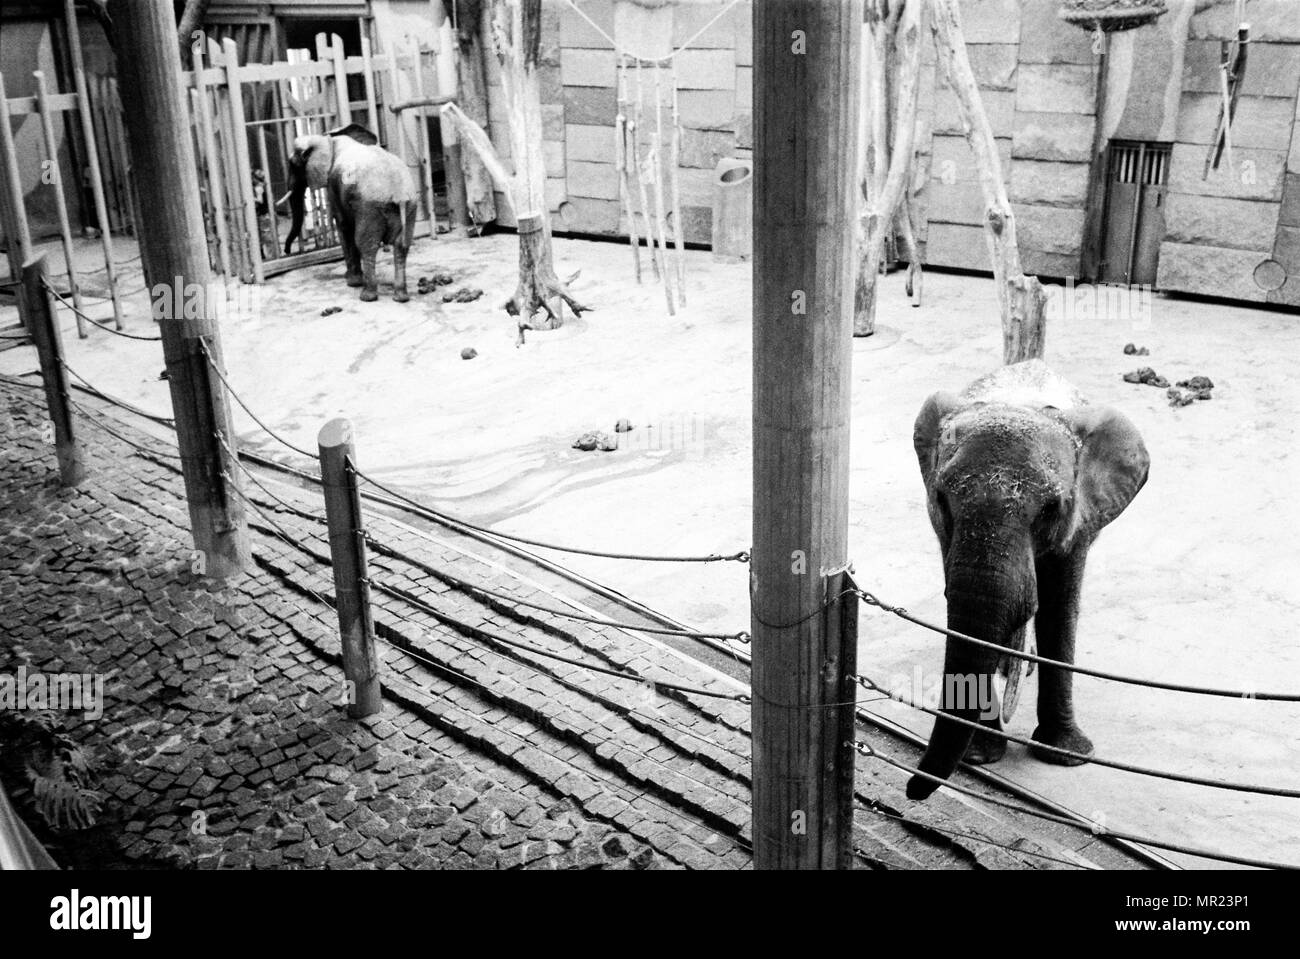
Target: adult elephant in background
{"x":372,"y":200}
{"x":1021,"y":474}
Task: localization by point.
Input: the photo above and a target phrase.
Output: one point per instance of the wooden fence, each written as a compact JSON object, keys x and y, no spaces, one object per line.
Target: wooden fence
{"x":102,"y":148}
{"x":246,"y":117}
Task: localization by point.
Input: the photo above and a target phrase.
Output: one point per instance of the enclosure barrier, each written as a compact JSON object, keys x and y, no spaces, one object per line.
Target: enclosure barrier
{"x":492,"y":640}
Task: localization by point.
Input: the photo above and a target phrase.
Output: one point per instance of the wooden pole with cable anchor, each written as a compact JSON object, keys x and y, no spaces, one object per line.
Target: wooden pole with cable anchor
{"x":805,"y":118}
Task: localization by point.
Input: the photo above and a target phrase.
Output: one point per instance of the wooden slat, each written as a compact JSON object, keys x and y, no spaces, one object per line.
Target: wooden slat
{"x":54,"y":103}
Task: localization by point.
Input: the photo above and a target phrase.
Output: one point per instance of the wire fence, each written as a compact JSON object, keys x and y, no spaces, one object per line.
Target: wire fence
{"x":866,"y":596}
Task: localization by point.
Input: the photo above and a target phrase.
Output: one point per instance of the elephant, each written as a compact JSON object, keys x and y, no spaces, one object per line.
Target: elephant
{"x":372,"y":200}
{"x":1021,"y":474}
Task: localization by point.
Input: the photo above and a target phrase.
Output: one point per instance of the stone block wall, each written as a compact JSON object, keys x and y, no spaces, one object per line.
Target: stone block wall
{"x":580,"y":103}
{"x":1221,"y":225}
{"x":1038,"y":80}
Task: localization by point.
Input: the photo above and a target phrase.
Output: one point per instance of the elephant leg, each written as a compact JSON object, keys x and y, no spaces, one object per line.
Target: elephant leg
{"x":370,"y":288}
{"x":1059,"y":581}
{"x":401,"y":231}
{"x":345,"y":223}
{"x":399,"y":274}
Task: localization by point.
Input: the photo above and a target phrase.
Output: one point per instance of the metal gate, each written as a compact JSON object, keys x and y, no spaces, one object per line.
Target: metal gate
{"x":1136,"y":182}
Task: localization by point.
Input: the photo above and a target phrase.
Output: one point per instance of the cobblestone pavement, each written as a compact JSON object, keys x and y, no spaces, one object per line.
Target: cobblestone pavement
{"x":223,"y":743}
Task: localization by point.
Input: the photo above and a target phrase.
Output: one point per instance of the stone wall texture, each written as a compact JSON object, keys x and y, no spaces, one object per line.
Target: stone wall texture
{"x":1038,"y":77}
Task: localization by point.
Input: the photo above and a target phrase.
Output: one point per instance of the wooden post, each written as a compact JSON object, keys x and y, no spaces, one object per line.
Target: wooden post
{"x":17,"y":233}
{"x":243,"y":166}
{"x":805,"y":119}
{"x":422,"y":145}
{"x":348,"y":556}
{"x":367,"y":68}
{"x":211,"y":161}
{"x":1021,"y":301}
{"x":656,"y":163}
{"x":38,"y":313}
{"x":638,"y":167}
{"x":174,"y":251}
{"x":471,"y":94}
{"x":60,"y":203}
{"x":679,"y":228}
{"x":891,"y":161}
{"x":340,"y":79}
{"x":1095,"y":196}
{"x":621,"y":167}
{"x":92,"y":157}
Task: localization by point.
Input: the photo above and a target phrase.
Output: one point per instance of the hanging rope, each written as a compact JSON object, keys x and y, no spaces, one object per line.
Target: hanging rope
{"x":628,"y":53}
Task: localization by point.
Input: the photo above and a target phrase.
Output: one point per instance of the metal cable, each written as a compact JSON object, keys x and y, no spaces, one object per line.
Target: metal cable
{"x":528,"y":647}
{"x":815,"y":613}
{"x":256,"y":419}
{"x":296,"y":510}
{"x":973,"y":837}
{"x":902,"y":613}
{"x":90,"y":319}
{"x":1113,"y":764}
{"x":866,"y":750}
{"x":741,"y":556}
{"x":114,"y":433}
{"x":88,"y":387}
{"x":385,"y":550}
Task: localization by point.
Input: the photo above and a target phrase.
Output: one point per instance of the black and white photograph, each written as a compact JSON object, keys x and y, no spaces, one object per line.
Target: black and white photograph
{"x":651,"y":435}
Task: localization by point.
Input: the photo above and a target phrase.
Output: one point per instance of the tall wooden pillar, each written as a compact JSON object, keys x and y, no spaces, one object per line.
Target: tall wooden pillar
{"x":805,"y":115}
{"x":175,"y":257}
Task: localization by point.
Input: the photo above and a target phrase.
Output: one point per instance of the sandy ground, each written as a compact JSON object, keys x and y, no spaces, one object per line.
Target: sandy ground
{"x":1194,"y":583}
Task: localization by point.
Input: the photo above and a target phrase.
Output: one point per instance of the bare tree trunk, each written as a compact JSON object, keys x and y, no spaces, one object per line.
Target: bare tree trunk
{"x":191,"y":20}
{"x":889,"y":168}
{"x":1021,"y":298}
{"x":473,"y":100}
{"x":516,"y":33}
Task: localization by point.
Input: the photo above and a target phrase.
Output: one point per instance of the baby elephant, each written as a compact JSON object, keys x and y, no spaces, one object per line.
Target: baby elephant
{"x":1020,"y":474}
{"x":371,"y":196}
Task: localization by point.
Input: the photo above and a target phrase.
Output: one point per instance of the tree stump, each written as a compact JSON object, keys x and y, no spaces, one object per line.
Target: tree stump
{"x":539,"y":289}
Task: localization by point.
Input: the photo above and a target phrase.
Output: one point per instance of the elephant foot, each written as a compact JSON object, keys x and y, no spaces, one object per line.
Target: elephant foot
{"x":985,"y":748}
{"x":357,"y":280}
{"x":401,"y":296}
{"x":1062,"y":737}
{"x":369,"y":296}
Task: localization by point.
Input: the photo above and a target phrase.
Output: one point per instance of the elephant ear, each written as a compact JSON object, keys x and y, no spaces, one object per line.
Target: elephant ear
{"x":356,"y":132}
{"x":1113,"y":466}
{"x":928,"y":430}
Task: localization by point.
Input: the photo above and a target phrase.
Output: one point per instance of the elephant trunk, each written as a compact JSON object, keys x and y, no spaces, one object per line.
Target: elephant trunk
{"x":297,"y":199}
{"x":989,"y":605}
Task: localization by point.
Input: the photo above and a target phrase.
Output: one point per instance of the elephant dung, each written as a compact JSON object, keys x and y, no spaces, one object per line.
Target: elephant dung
{"x":468,"y":353}
{"x":1147,"y":376}
{"x":1198,"y":383}
{"x":595,"y":441}
{"x":1131,"y":349}
{"x":466,"y":294}
{"x":623,"y":426}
